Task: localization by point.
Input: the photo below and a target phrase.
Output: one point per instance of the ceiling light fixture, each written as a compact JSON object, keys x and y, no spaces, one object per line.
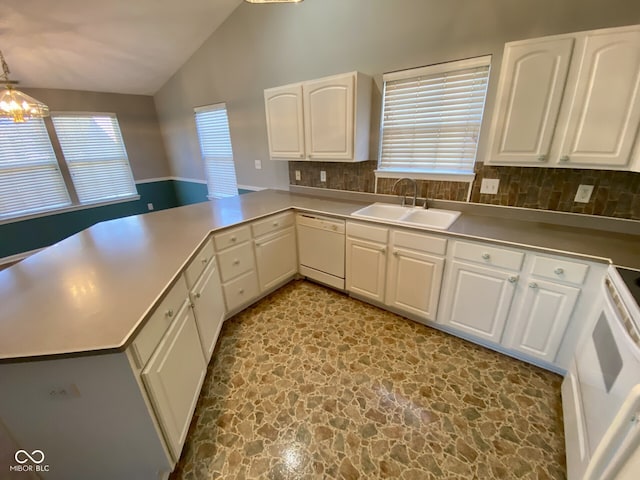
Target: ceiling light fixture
{"x":273,"y":1}
{"x":16,"y":105}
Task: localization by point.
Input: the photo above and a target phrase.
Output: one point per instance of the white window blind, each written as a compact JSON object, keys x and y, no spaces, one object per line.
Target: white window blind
{"x":93,"y":148}
{"x":30,"y":180}
{"x":215,"y":143}
{"x":431,"y":118}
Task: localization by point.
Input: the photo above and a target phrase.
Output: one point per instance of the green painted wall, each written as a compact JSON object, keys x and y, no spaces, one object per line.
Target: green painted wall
{"x":26,"y":235}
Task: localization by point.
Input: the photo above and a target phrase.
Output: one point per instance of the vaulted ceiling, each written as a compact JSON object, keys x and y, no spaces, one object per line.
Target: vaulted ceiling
{"x":121,"y":46}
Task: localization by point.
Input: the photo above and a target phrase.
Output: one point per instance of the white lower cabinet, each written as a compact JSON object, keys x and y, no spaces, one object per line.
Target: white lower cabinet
{"x":173,"y":378}
{"x":478,"y":299}
{"x":540,"y":322}
{"x":276,"y":257}
{"x":366,"y":268}
{"x":208,"y":305}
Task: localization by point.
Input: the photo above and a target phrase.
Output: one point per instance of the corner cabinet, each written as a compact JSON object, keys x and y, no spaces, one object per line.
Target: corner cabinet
{"x":325,"y":120}
{"x":569,"y":101}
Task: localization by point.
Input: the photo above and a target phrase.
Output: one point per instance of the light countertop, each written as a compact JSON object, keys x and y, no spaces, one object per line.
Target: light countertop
{"x":91,"y":292}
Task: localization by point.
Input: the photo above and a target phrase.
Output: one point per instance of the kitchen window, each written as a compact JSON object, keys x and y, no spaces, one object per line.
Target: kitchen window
{"x":96,"y":156}
{"x":431,"y":119}
{"x":30,"y":179}
{"x":212,"y":125}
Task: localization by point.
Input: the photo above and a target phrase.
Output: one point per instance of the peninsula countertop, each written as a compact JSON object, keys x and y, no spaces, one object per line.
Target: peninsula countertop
{"x":91,"y":292}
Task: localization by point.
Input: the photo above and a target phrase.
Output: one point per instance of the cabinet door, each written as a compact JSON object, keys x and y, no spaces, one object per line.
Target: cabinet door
{"x":478,"y":300}
{"x":532,"y":83}
{"x":366,"y":268}
{"x":605,"y":103}
{"x":173,"y":378}
{"x":543,"y":317}
{"x":277,"y":258}
{"x":285,"y":130}
{"x":413,"y":282}
{"x":328,"y":116}
{"x":208,"y":305}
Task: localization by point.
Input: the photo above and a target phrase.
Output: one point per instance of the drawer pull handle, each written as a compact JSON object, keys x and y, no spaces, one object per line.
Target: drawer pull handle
{"x":533,"y":285}
{"x":241,"y":291}
{"x":559,"y":271}
{"x":233,"y":239}
{"x":236,"y":262}
{"x":486,"y":256}
{"x":169,"y":313}
{"x":205,"y":260}
{"x":197,"y":295}
{"x":512,"y":279}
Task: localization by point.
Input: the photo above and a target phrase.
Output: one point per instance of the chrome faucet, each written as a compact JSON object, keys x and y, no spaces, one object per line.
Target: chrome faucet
{"x":404,"y":192}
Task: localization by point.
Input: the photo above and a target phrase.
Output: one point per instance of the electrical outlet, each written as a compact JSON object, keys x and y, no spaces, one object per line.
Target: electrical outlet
{"x":490,"y":186}
{"x":298,"y":177}
{"x":323,"y":176}
{"x":149,"y":206}
{"x":258,"y":164}
{"x":583,"y":195}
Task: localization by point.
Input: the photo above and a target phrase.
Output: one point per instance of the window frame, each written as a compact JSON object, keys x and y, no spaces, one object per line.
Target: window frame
{"x":475,"y":62}
{"x":211,"y":108}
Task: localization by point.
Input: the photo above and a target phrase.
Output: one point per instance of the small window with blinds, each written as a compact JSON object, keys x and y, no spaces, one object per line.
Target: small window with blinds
{"x":94,"y":151}
{"x":431,"y":119}
{"x":215,"y":144}
{"x":30,"y":180}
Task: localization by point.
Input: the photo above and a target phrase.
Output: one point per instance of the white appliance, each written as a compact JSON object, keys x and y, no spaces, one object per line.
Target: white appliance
{"x":601,"y":392}
{"x":321,"y":249}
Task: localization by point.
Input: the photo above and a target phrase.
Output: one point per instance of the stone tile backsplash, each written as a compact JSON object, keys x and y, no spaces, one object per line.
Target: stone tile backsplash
{"x":615,"y":194}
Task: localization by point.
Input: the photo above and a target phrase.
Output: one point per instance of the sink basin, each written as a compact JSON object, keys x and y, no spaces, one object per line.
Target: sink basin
{"x":414,"y":216}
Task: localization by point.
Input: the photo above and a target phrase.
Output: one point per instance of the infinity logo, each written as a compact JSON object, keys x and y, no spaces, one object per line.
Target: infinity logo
{"x":31,"y":457}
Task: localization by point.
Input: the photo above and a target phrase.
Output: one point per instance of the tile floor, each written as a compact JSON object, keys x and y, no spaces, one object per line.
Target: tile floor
{"x":311,"y":384}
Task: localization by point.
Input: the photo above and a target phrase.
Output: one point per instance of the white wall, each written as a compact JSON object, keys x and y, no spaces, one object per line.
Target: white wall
{"x":261,"y":46}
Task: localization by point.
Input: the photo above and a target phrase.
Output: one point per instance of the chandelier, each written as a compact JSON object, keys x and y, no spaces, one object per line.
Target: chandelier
{"x":14,"y":104}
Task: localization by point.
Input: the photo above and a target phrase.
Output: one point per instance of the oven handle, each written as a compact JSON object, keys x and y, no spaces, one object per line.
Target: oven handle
{"x":620,"y":441}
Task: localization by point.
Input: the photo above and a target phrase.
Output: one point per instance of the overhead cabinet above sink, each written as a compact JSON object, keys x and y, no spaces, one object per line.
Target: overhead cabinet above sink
{"x":570,"y":101}
{"x":320,"y":120}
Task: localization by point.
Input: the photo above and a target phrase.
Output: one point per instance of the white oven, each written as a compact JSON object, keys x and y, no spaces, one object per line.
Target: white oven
{"x":601,"y":392}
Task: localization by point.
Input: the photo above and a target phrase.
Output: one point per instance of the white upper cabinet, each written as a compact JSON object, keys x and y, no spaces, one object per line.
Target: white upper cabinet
{"x":285,"y":121}
{"x":569,"y":101}
{"x":325,"y":120}
{"x":531,"y":86}
{"x":328,"y":117}
{"x":604,"y":111}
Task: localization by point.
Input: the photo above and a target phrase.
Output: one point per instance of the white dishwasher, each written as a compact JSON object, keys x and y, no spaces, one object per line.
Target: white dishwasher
{"x":321,"y":248}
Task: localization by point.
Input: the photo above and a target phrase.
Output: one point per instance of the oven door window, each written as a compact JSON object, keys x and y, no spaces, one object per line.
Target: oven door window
{"x":607,"y":351}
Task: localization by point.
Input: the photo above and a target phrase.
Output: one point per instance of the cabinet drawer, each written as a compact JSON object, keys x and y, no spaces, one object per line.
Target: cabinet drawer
{"x":367,"y":232}
{"x":236,"y":261}
{"x":199,"y":263}
{"x":488,"y":255}
{"x":555,"y":269}
{"x":420,"y":242}
{"x":149,"y":337}
{"x":232,"y":237}
{"x":273,"y":223}
{"x":241,"y":290}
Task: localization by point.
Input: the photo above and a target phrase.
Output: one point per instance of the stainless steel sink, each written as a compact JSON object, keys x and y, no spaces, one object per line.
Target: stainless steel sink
{"x":414,"y":216}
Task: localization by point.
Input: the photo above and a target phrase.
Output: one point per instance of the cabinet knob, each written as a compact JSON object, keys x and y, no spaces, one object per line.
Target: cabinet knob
{"x":169,"y":313}
{"x":236,"y":262}
{"x":559,"y":271}
{"x":275,"y":224}
{"x":383,"y":250}
{"x":486,"y":256}
{"x":301,"y":155}
{"x":564,"y":158}
{"x":241,"y":291}
{"x":233,"y":239}
{"x":512,"y":279}
{"x":205,"y":260}
{"x":197,"y":295}
{"x":542,"y":158}
{"x":533,"y":285}
{"x":396,"y":253}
